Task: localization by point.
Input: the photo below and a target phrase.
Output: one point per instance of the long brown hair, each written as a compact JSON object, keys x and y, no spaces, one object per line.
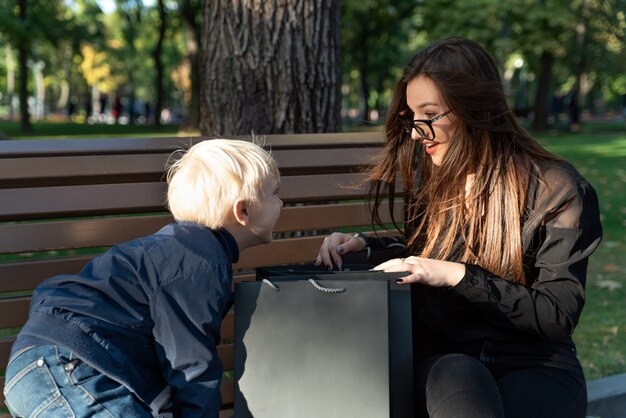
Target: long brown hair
{"x":484,"y":225}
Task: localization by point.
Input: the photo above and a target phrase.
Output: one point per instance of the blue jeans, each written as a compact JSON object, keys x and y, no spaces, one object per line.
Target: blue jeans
{"x":50,"y":381}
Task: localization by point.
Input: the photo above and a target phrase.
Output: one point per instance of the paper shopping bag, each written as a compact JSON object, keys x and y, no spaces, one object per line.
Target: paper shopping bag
{"x":335,"y":345}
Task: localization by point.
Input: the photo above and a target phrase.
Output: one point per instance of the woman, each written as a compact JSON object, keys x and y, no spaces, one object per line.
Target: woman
{"x":498,"y":232}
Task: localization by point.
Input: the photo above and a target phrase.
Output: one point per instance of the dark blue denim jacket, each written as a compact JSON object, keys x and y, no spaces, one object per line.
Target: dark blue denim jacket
{"x":148,"y":314}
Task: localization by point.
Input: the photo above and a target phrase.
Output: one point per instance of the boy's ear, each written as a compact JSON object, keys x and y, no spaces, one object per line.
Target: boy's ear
{"x":240,"y":210}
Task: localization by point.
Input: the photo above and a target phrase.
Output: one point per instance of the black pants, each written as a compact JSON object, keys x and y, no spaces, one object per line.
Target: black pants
{"x":457,"y":385}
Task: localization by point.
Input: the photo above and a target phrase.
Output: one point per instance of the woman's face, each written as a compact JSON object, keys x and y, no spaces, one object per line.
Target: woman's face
{"x":424,"y":100}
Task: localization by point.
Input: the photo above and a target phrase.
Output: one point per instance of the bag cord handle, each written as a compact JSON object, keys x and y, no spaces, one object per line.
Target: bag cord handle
{"x":326,"y":289}
{"x":315,"y":284}
{"x":272,"y":285}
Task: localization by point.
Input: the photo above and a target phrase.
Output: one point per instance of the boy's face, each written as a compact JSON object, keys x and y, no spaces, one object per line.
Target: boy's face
{"x":264,"y":213}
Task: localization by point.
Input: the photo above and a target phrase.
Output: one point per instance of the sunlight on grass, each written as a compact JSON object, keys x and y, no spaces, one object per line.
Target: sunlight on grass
{"x":68,"y":130}
{"x":611,"y":146}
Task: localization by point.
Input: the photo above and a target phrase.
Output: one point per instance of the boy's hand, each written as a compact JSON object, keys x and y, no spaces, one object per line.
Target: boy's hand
{"x":334,"y":246}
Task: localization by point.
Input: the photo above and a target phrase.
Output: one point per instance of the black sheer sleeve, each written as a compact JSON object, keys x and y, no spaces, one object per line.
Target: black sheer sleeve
{"x":568,"y":232}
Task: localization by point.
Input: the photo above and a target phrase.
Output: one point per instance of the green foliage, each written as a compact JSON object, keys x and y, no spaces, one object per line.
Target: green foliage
{"x":375,"y":47}
{"x":378,"y":37}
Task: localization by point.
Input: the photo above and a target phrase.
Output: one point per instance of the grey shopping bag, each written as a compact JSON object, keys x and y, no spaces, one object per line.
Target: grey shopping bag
{"x":337,"y":345}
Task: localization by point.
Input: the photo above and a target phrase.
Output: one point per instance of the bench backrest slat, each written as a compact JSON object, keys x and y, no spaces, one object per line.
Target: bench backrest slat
{"x":109,"y":199}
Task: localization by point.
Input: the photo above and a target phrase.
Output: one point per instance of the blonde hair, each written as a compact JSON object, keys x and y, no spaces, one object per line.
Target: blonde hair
{"x":205,"y":183}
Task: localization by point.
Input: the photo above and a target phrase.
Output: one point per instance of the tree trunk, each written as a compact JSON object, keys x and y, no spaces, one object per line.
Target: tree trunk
{"x":158,"y":63}
{"x":540,"y":122}
{"x":132,"y":15}
{"x":363,"y":78}
{"x":26,"y":127}
{"x":189,"y":10}
{"x":270,"y":66}
{"x":10,"y":79}
{"x":582,"y":41}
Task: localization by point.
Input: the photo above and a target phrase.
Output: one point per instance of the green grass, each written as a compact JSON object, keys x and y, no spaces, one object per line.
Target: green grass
{"x":66,"y":130}
{"x":599,"y":153}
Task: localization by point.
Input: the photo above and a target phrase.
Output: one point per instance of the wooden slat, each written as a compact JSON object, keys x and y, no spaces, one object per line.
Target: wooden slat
{"x":226,"y":352}
{"x":31,"y":148}
{"x":83,"y":169}
{"x":247,"y":276}
{"x":228,"y":391}
{"x":318,"y":160}
{"x":287,"y":251}
{"x":92,"y":169}
{"x":328,"y":216}
{"x":45,"y":236}
{"x":315,"y":188}
{"x":5,"y":350}
{"x":228,"y":326}
{"x":226,"y":413}
{"x":98,"y":199}
{"x":14,"y":312}
{"x":26,"y":275}
{"x":102,"y":199}
{"x":2,"y":404}
{"x":96,"y":146}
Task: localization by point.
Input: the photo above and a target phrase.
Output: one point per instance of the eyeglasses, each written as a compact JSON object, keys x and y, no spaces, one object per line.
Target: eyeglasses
{"x":423,"y":127}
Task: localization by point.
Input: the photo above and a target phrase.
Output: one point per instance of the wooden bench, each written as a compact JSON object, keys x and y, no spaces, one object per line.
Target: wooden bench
{"x":64,"y":201}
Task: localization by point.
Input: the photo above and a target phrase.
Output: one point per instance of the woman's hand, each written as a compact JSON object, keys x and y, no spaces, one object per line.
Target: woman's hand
{"x":436,"y":273}
{"x":335,"y":245}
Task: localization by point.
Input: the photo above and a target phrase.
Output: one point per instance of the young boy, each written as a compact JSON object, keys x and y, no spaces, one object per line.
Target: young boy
{"x":134,"y":334}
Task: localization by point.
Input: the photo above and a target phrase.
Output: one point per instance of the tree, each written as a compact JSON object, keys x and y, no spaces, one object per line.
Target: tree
{"x":270,"y":66}
{"x":23,"y":45}
{"x":558,"y":42}
{"x":540,"y":31}
{"x":158,"y":63}
{"x":374,"y":36}
{"x":28,"y":25}
{"x":190,"y":12}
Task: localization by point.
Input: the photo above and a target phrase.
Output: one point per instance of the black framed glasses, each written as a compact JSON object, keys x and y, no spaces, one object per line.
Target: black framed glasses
{"x":423,"y":127}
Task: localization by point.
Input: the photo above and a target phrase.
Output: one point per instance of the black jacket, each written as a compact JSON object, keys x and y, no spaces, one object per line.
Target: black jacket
{"x":508,"y":325}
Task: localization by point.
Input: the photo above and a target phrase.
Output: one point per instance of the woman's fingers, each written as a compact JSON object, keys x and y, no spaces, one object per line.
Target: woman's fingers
{"x":351,"y":245}
{"x":329,"y":254}
{"x":436,"y":273}
{"x":396,"y":263}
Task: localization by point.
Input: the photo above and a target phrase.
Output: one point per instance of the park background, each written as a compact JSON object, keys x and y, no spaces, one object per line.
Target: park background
{"x":128,"y":68}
